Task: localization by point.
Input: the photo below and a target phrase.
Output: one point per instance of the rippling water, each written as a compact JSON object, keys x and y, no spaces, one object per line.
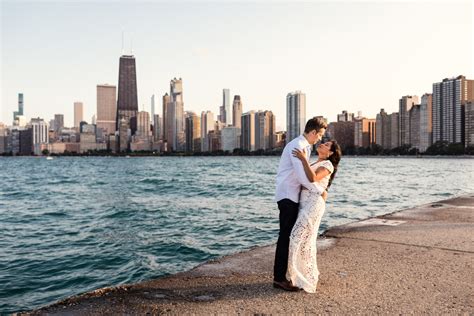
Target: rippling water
{"x":71,"y":225}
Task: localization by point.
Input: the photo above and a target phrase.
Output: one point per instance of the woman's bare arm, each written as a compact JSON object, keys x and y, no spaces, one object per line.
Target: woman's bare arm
{"x":312,"y":176}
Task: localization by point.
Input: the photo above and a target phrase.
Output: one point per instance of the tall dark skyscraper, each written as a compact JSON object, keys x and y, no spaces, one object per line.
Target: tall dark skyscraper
{"x":20,"y":106}
{"x":127,"y":101}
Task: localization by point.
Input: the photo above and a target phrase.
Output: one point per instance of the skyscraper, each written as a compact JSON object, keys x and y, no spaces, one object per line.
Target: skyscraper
{"x":193,"y":132}
{"x":264,"y":130}
{"x":157,"y":127}
{"x":405,"y":105}
{"x":26,"y":141}
{"x":40,"y":134}
{"x":175,"y":117}
{"x":449,"y":99}
{"x":295,"y":115}
{"x":164,"y":126}
{"x":236,"y":111}
{"x":469,"y":124}
{"x":345,"y":117}
{"x":127,"y":101}
{"x":426,"y":117}
{"x":383,"y":130}
{"x":78,"y":114}
{"x":3,"y":138}
{"x":225,"y":111}
{"x":343,"y":132}
{"x":364,"y":132}
{"x":143,"y":125}
{"x":207,"y":125}
{"x":415,"y":126}
{"x":123,"y":130}
{"x":394,"y":134}
{"x":107,"y":108}
{"x":20,"y":107}
{"x":152,"y":108}
{"x":248,"y":131}
{"x":215,"y":139}
{"x":58,"y":122}
{"x":230,"y":136}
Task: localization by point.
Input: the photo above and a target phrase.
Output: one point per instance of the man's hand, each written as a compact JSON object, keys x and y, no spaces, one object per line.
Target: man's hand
{"x":325,"y":195}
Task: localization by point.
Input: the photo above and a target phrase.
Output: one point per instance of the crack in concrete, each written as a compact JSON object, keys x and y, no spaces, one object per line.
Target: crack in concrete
{"x":400,"y":243}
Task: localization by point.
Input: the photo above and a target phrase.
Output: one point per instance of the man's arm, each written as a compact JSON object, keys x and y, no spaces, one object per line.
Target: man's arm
{"x":299,"y":170}
{"x":312,"y":175}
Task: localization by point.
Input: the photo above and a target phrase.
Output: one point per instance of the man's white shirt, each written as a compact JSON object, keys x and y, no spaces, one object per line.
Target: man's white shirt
{"x":291,"y":175}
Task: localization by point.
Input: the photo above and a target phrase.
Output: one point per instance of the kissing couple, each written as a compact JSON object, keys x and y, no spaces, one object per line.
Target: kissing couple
{"x":301,"y":193}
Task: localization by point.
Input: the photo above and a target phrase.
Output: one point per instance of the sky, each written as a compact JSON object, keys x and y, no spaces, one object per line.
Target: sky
{"x":345,"y":55}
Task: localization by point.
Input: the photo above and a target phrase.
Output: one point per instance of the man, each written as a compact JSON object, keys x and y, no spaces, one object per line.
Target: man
{"x":290,"y":178}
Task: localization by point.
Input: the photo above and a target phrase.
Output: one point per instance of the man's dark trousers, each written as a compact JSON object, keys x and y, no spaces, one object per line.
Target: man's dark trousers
{"x":288,"y":214}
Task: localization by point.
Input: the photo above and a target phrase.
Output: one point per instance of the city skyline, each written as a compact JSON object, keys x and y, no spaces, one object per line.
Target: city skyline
{"x":337,"y":69}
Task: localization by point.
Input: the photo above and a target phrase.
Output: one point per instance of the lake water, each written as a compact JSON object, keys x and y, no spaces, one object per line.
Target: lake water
{"x":74,"y":224}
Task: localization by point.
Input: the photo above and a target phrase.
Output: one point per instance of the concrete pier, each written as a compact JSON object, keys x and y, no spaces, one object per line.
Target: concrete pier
{"x":414,"y":261}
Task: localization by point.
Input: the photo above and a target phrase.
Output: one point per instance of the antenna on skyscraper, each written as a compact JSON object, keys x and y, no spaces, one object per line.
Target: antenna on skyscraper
{"x":131,"y":45}
{"x":122,"y":41}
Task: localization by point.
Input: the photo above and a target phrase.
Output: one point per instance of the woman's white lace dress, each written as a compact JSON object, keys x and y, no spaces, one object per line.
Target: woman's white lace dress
{"x":302,"y":266}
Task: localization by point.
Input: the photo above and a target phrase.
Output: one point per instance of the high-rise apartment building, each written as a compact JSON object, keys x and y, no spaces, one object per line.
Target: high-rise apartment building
{"x":40,"y":134}
{"x":343,"y":132}
{"x":237,"y":111}
{"x":469,"y":124}
{"x":405,"y":105}
{"x":230,"y":138}
{"x":426,"y":117}
{"x":3,"y":138}
{"x":295,"y":114}
{"x":207,"y":125}
{"x":193,"y":132}
{"x":449,"y":99}
{"x":383,"y":130}
{"x":364,"y":132}
{"x":415,"y":126}
{"x":248,"y":131}
{"x":157,"y":128}
{"x":394,"y":135}
{"x":264,"y":130}
{"x":214,"y":139}
{"x":345,"y":117}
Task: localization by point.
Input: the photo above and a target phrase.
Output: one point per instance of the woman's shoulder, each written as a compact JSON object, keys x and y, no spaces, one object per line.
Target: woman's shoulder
{"x":327,"y":164}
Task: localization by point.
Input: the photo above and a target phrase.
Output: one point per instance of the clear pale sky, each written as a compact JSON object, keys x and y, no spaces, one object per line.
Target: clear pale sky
{"x":348,"y":55}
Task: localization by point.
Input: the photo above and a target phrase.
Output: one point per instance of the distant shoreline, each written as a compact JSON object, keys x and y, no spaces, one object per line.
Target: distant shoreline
{"x":233,"y":155}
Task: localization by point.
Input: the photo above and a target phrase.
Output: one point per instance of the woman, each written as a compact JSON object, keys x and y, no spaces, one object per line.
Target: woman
{"x":302,"y":266}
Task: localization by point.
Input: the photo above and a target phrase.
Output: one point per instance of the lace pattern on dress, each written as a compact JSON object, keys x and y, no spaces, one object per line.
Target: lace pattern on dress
{"x":302,"y":264}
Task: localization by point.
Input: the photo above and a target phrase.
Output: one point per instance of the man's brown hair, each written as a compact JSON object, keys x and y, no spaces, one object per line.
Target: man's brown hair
{"x":315,"y":123}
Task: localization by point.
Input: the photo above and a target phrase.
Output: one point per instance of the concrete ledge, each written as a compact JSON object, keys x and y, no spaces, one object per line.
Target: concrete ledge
{"x":414,"y":261}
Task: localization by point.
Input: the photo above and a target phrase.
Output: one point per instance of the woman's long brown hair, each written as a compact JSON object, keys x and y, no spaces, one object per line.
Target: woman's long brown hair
{"x":334,"y":159}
